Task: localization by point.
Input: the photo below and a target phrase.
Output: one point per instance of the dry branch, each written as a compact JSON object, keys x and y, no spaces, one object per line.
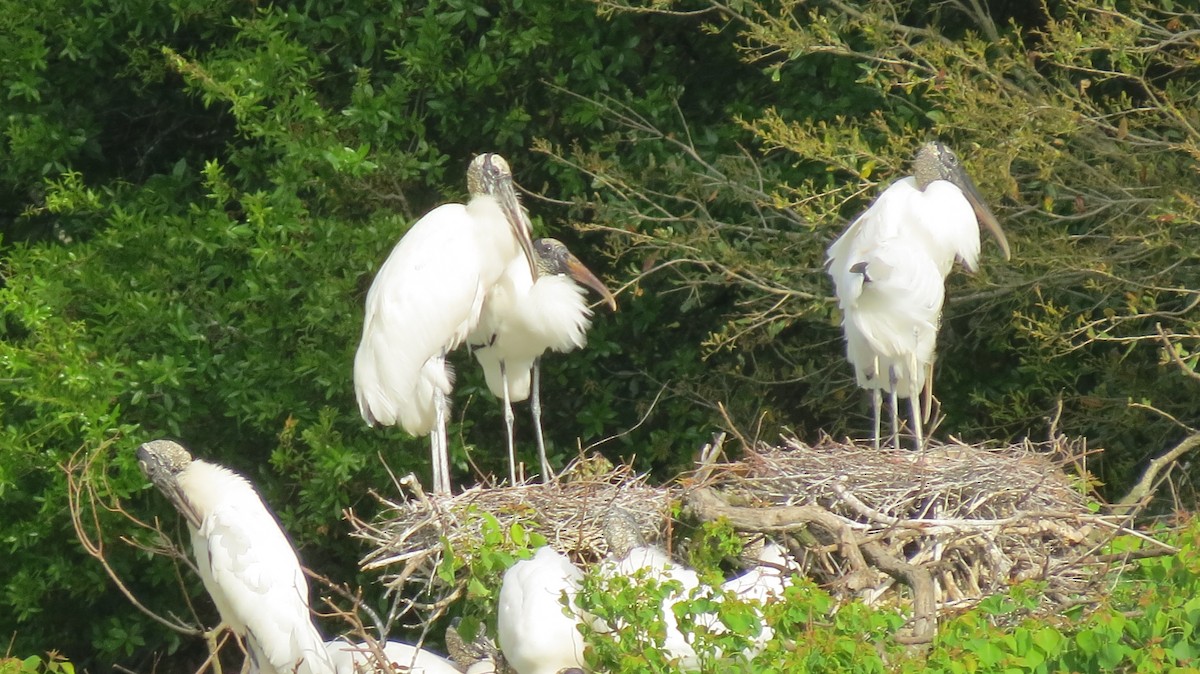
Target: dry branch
{"x":953,"y":524}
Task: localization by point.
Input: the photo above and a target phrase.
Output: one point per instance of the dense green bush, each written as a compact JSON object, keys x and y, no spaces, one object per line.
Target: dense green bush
{"x":195,"y":196}
{"x":1077,"y":120}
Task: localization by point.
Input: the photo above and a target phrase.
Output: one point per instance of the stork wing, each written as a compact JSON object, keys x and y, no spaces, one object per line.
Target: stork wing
{"x":253,"y":567}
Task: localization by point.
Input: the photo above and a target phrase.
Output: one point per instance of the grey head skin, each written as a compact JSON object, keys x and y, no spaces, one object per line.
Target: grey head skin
{"x":464,"y":653}
{"x":935,"y":161}
{"x":162,"y":461}
{"x":621,"y":532}
{"x":489,"y":175}
{"x":553,"y":259}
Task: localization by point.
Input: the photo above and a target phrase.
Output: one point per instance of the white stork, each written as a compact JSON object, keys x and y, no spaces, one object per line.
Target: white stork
{"x":889,"y":270}
{"x":428,"y":297}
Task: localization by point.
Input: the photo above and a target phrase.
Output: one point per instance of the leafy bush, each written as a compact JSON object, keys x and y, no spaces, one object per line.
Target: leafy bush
{"x":198,"y":193}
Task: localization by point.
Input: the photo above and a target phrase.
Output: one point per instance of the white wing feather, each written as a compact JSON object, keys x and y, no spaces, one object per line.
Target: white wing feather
{"x":348,"y":658}
{"x":251,"y":570}
{"x":425,"y":300}
{"x":908,"y":240}
{"x":522,"y":320}
{"x":535,"y":635}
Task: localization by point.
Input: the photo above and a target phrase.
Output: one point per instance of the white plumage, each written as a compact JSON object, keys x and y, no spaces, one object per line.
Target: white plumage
{"x":767,"y":579}
{"x":428,"y":297}
{"x":522,"y":319}
{"x":538,"y":632}
{"x":245,"y":560}
{"x":765,"y":582}
{"x":350,"y":658}
{"x":654,"y":563}
{"x":889,"y":269}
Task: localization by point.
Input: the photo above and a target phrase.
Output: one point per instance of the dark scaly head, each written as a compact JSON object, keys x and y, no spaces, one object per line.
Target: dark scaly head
{"x":489,"y":175}
{"x":162,"y":461}
{"x":935,"y":161}
{"x":553,"y":259}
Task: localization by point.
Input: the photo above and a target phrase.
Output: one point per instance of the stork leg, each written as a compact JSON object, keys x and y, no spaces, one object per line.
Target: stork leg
{"x":914,"y":403}
{"x":893,"y":380}
{"x":509,"y":421}
{"x":535,"y":406}
{"x":441,"y":453}
{"x":877,"y":408}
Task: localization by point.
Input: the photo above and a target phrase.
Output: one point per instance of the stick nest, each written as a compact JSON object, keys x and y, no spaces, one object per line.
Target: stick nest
{"x":954,"y":524}
{"x":411,"y":536}
{"x":931,"y":532}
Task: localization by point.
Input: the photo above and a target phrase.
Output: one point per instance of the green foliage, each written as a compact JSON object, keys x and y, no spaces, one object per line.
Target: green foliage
{"x":1077,"y":119}
{"x":1146,"y":625}
{"x":53,"y":663}
{"x":197,"y":194}
{"x":483,"y":566}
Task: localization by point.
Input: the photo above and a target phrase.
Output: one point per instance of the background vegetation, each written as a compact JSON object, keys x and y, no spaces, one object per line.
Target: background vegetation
{"x":194,"y":197}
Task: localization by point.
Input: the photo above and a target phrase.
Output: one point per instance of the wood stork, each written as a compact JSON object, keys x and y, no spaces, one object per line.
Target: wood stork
{"x":889,"y":269}
{"x":767,"y":579}
{"x":351,"y":658}
{"x":426,"y":299}
{"x":244,"y":558}
{"x":522,"y":319}
{"x":654,"y":563}
{"x":764,"y":582}
{"x":537,"y":621}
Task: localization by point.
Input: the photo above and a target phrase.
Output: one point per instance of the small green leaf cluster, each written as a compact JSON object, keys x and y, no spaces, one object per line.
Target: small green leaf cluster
{"x":53,"y":663}
{"x":1146,"y":624}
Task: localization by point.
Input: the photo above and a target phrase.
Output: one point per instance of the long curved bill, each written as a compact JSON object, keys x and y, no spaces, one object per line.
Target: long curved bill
{"x":522,"y":228}
{"x":583,"y":275}
{"x":959,"y":177}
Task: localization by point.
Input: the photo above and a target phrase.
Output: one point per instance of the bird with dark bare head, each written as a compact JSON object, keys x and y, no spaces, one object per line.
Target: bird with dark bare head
{"x":889,"y":269}
{"x":428,"y":297}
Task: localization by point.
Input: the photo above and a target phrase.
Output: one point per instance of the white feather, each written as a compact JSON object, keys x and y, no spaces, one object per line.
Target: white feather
{"x":522,"y":320}
{"x":538,"y":634}
{"x":425,"y":300}
{"x":251,"y":571}
{"x":349,"y":658}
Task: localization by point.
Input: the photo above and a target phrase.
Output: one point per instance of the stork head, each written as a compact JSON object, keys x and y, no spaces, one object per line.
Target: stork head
{"x":935,"y":161}
{"x":553,"y":259}
{"x":489,"y":175}
{"x":162,"y":461}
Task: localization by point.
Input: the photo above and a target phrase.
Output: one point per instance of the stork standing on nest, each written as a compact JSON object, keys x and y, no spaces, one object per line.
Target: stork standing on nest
{"x":428,"y":297}
{"x":889,"y":269}
{"x":525,"y":316}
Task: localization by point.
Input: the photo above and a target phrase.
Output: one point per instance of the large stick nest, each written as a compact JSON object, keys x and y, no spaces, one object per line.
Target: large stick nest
{"x":931,"y":532}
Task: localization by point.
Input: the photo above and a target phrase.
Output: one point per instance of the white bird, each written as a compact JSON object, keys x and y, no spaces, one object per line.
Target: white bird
{"x":654,"y":563}
{"x":350,"y":658}
{"x":767,"y":579}
{"x":889,"y":269}
{"x":522,"y":319}
{"x":245,"y":560}
{"x":537,"y":621}
{"x":765,"y":582}
{"x":428,"y":297}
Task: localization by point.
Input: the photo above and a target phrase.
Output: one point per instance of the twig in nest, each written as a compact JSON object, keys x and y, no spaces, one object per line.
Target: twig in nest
{"x":706,"y":505}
